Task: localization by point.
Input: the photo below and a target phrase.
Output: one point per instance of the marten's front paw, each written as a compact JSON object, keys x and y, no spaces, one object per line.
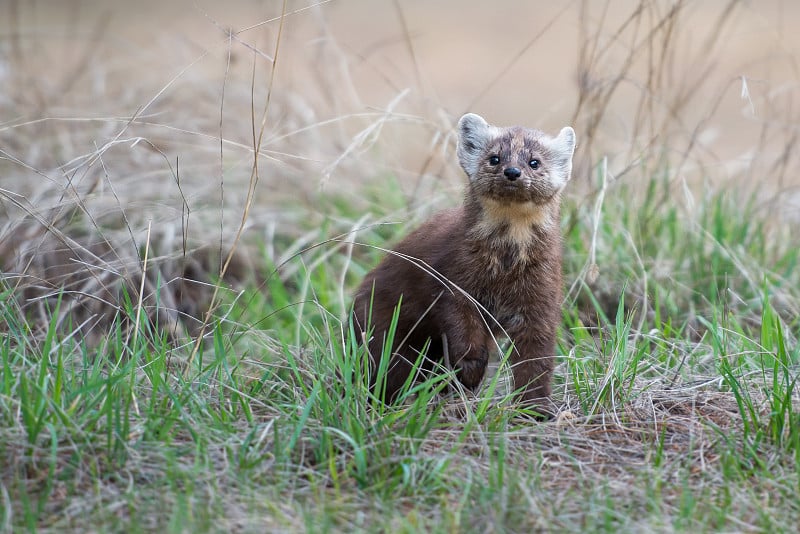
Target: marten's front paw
{"x":471,"y":368}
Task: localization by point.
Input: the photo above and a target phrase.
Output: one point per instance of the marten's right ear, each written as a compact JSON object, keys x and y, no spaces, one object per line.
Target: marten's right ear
{"x":473,"y":135}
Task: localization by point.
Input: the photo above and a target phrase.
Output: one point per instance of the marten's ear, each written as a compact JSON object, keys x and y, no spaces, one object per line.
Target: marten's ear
{"x":564,"y":147}
{"x":473,"y":135}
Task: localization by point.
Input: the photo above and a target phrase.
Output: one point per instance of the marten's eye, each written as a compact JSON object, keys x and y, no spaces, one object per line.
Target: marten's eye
{"x":494,"y":160}
{"x":534,"y":163}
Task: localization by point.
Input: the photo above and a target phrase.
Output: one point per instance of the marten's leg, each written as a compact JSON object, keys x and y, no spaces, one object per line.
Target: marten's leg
{"x":532,"y":361}
{"x":400,"y":362}
{"x":403,"y":361}
{"x":466,"y":344}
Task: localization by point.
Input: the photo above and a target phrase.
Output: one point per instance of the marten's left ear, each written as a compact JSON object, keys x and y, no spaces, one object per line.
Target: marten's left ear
{"x":566,"y":138}
{"x":564,"y":147}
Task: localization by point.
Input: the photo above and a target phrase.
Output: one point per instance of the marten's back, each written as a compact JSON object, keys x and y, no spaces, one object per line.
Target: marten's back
{"x":411,"y":270}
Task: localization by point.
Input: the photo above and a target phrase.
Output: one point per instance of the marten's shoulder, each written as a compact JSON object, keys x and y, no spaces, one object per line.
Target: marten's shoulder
{"x":439,"y":234}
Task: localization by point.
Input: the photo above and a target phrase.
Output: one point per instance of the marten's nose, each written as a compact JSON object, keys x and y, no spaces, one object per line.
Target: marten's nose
{"x":512,"y":173}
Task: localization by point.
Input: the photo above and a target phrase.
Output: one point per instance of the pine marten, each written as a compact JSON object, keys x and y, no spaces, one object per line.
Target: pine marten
{"x":491,"y":267}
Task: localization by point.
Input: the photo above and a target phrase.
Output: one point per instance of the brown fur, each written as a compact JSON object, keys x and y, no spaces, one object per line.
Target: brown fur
{"x":491,"y":267}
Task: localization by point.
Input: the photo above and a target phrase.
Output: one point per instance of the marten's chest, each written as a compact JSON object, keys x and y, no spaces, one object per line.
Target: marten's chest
{"x":508,"y":279}
{"x":504,"y":243}
{"x":504,"y":262}
{"x":501,"y":274}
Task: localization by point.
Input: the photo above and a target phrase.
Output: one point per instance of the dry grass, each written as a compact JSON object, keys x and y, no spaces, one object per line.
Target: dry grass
{"x":226,"y":205}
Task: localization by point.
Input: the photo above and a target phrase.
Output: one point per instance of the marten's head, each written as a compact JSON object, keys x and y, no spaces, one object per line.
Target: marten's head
{"x":514,"y":165}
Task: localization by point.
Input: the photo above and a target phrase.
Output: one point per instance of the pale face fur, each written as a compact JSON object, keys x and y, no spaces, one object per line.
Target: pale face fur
{"x":517,"y":173}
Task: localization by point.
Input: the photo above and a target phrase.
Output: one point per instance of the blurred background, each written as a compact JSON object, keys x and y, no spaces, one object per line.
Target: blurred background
{"x":712,"y":82}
